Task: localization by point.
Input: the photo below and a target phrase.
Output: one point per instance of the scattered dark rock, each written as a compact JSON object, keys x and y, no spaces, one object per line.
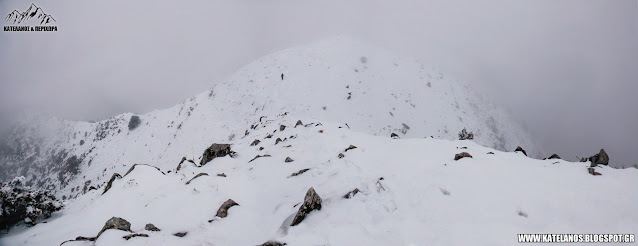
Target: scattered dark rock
{"x":179,"y":166}
{"x":288,"y":159}
{"x":521,"y":150}
{"x":282,"y":127}
{"x":553,"y":156}
{"x":490,"y":153}
{"x":351,"y":193}
{"x":340,"y":155}
{"x":258,"y":156}
{"x":81,"y":142}
{"x":522,"y":214}
{"x":80,"y":238}
{"x":350,"y":147}
{"x":298,"y":123}
{"x":321,"y":131}
{"x":311,"y":202}
{"x":110,"y":183}
{"x":288,"y":146}
{"x":268,"y":136}
{"x":197,"y":176}
{"x":129,"y":236}
{"x":278,"y":140}
{"x":151,"y":227}
{"x":256,"y":142}
{"x":221,"y":175}
{"x":92,"y":188}
{"x":462,"y":155}
{"x":593,"y":172}
{"x":133,"y":167}
{"x":134,"y":122}
{"x":117,"y":224}
{"x":222,"y":212}
{"x":214,"y":151}
{"x":180,"y":234}
{"x":273,"y":243}
{"x":299,"y":172}
{"x":444,"y":191}
{"x":394,"y":135}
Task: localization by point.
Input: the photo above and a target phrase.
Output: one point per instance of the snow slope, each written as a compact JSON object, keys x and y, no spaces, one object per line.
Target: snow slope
{"x":424,"y":198}
{"x":340,"y":80}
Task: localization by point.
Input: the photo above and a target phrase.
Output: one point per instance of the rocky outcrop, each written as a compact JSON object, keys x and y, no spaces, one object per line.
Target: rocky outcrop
{"x":593,"y":172}
{"x":518,"y":148}
{"x":222,"y":212}
{"x":214,"y":151}
{"x":394,"y":135}
{"x":311,"y":202}
{"x":462,"y":155}
{"x":116,"y":223}
{"x":273,"y":243}
{"x":134,"y":122}
{"x":135,"y":165}
{"x":553,"y":156}
{"x":180,"y":234}
{"x":110,"y":183}
{"x":282,"y":127}
{"x":299,"y":172}
{"x":600,"y":158}
{"x":288,"y":159}
{"x":129,"y":236}
{"x":299,"y":123}
{"x":258,"y":156}
{"x":255,"y":143}
{"x":351,"y":193}
{"x":196,"y":176}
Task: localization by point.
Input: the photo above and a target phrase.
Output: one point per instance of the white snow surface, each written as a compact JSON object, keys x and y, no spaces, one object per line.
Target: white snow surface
{"x":427,"y":198}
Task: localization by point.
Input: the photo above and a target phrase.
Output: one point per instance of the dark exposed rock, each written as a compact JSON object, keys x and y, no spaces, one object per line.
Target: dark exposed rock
{"x":81,"y":142}
{"x":288,"y":159}
{"x":490,"y":153}
{"x":521,"y":150}
{"x":151,"y":227}
{"x":110,"y":183}
{"x":135,"y":165}
{"x":256,"y":142}
{"x":221,"y":175}
{"x":394,"y":135}
{"x":298,"y":123}
{"x":273,"y":243}
{"x":522,"y":214}
{"x":282,"y":127}
{"x":129,"y":236}
{"x":268,"y":136}
{"x":321,"y":131}
{"x":379,"y":185}
{"x":80,"y":238}
{"x":258,"y":156}
{"x":179,"y":166}
{"x":117,"y":224}
{"x":351,"y":193}
{"x":299,"y":172}
{"x":464,"y":135}
{"x":197,"y":176}
{"x":261,"y":148}
{"x":134,"y":122}
{"x":92,"y":188}
{"x":311,"y":202}
{"x":222,"y":212}
{"x":214,"y":151}
{"x":462,"y":155}
{"x":180,"y":234}
{"x":553,"y":156}
{"x":278,"y":140}
{"x":600,"y":158}
{"x":340,"y":155}
{"x":593,"y":172}
{"x":350,"y":147}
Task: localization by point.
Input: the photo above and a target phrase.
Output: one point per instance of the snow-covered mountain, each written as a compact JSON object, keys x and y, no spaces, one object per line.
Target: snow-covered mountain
{"x":339,"y":80}
{"x":346,"y":92}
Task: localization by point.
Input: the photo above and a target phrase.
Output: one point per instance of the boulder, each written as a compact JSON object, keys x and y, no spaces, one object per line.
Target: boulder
{"x":600,"y":158}
{"x":311,"y":202}
{"x":299,"y":123}
{"x":282,"y":127}
{"x":278,"y":140}
{"x":288,"y":159}
{"x":350,"y":147}
{"x":151,"y":227}
{"x":340,"y":155}
{"x":462,"y":155}
{"x":214,"y":151}
{"x":116,"y":223}
{"x":222,"y":212}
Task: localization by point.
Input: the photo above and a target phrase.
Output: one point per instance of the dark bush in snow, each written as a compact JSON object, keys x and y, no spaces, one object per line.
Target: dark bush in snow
{"x":19,"y":202}
{"x":464,"y":135}
{"x":134,"y":122}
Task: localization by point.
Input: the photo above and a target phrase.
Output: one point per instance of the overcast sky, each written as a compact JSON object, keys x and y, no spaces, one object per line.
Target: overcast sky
{"x":567,"y":69}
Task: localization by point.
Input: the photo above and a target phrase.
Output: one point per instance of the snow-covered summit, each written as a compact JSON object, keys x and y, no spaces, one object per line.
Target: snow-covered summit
{"x":340,"y":80}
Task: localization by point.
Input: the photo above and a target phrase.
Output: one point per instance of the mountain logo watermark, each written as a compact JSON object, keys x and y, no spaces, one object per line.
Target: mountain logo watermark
{"x":35,"y":15}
